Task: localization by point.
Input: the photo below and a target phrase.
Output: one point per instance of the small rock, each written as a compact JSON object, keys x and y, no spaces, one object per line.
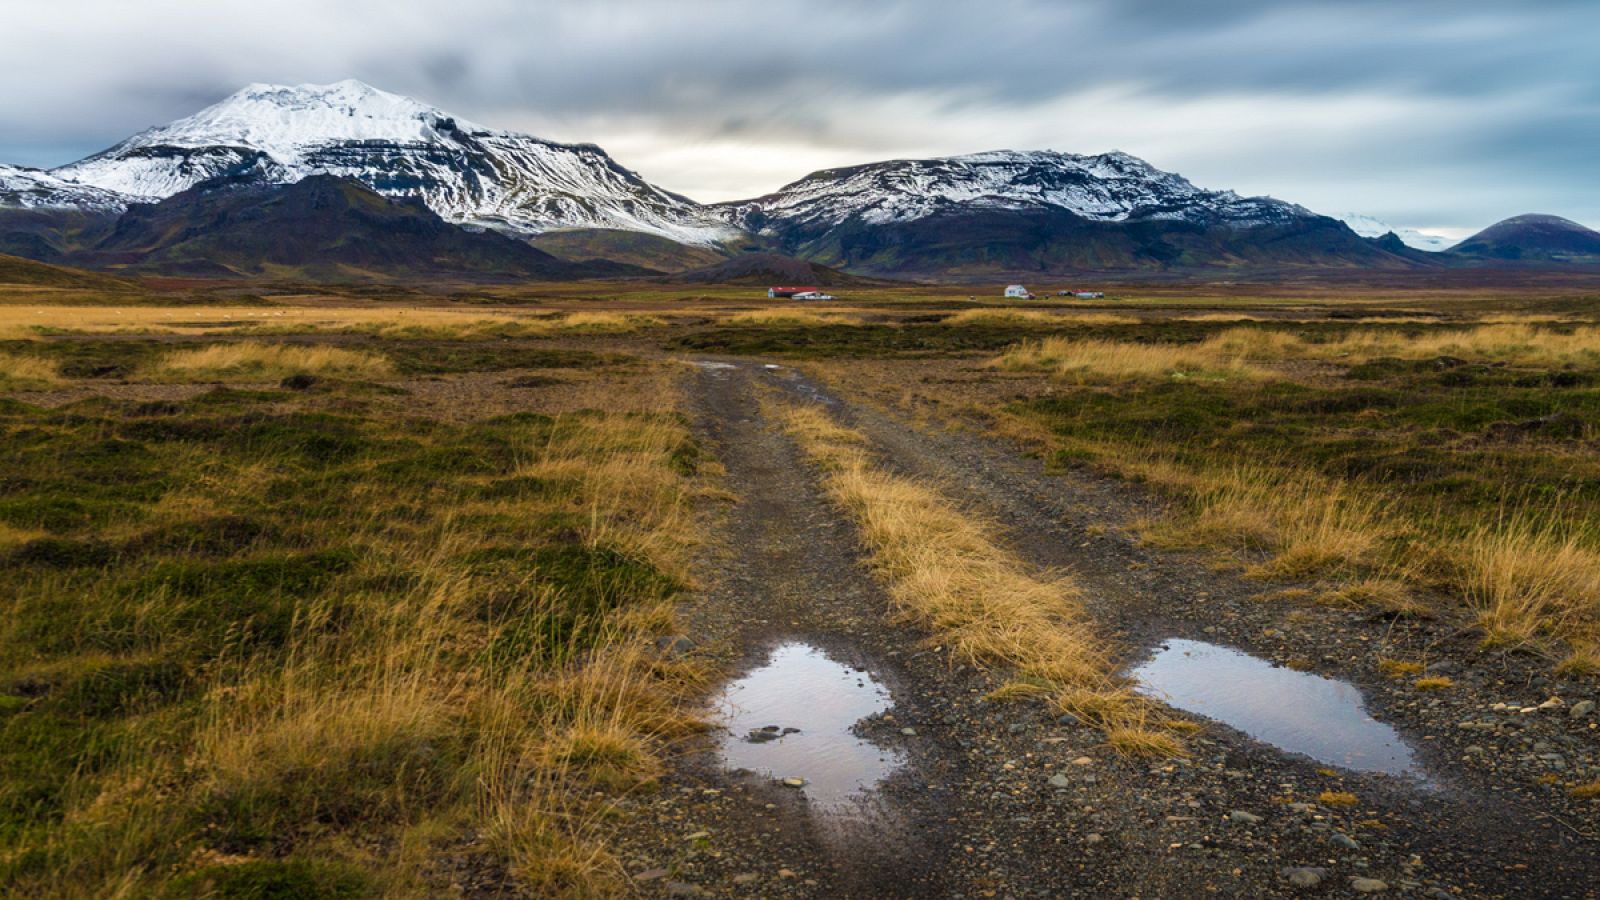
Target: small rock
{"x":909,"y":732}
{"x":650,"y":875}
{"x":745,"y":878}
{"x":1345,"y":841}
{"x":1305,"y":876}
{"x":1083,"y":761}
{"x":682,"y":889}
{"x":1581,"y":708}
{"x":674,"y":645}
{"x":1368,"y":885}
{"x":794,"y":781}
{"x":786,"y":873}
{"x":1093,"y":838}
{"x":1443,"y":667}
{"x":1243,"y":818}
{"x":698,"y":835}
{"x":1059,"y":780}
{"x":1066,"y":719}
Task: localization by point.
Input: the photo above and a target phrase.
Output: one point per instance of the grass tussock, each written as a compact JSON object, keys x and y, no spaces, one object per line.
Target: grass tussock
{"x":18,"y":372}
{"x":253,"y":361}
{"x":1038,"y":317}
{"x":946,"y":572}
{"x":1091,"y":358}
{"x":1254,"y":352}
{"x":792,"y":317}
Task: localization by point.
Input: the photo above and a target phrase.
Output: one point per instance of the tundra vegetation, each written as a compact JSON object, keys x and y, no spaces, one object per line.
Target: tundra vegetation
{"x":270,"y":629}
{"x":312,"y":597}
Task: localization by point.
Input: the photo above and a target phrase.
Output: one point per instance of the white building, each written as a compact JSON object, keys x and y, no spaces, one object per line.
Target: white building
{"x":1018,"y":292}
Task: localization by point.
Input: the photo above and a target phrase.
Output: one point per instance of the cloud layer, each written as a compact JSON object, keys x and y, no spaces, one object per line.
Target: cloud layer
{"x":1426,"y":114}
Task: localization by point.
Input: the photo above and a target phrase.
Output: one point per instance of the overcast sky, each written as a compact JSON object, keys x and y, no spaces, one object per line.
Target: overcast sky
{"x":1443,"y":116}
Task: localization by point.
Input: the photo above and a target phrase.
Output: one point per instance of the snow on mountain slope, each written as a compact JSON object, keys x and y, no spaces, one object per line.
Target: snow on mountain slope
{"x":38,"y":189}
{"x":467,"y":173}
{"x":1367,"y":226}
{"x":1110,"y":187}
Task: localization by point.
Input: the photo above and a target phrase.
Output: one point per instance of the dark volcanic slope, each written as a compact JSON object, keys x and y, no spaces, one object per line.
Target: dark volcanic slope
{"x":16,"y":270}
{"x":1532,"y":238}
{"x":769,"y":269}
{"x":320,"y":227}
{"x":1040,"y":212}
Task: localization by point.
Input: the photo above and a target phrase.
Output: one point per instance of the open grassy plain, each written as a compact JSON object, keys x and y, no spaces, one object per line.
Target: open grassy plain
{"x":376,"y":592}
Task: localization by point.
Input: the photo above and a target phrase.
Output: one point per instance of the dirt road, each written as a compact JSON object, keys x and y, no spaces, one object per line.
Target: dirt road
{"x":1005,"y":799}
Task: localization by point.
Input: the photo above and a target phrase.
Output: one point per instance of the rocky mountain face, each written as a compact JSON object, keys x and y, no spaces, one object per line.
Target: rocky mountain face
{"x":1532,"y":238}
{"x":23,"y":188}
{"x":1010,"y":211}
{"x":322,"y":227}
{"x":467,"y":173}
{"x":979,"y":215}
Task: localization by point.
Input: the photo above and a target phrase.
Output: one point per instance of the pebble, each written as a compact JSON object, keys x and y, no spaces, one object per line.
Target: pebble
{"x":1345,"y":841}
{"x":1059,"y":780}
{"x":1083,"y":761}
{"x":786,"y":873}
{"x":1244,"y":818}
{"x":745,"y":878}
{"x":1305,"y":876}
{"x":909,"y":732}
{"x":650,"y":875}
{"x":1368,"y":885}
{"x":1581,"y":708}
{"x":682,"y":889}
{"x":794,"y":781}
{"x":1093,"y":838}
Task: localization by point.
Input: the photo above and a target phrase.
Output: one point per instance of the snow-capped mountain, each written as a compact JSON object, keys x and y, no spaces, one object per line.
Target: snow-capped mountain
{"x":1367,"y":226}
{"x":1110,"y":187}
{"x":38,"y":189}
{"x":467,"y":173}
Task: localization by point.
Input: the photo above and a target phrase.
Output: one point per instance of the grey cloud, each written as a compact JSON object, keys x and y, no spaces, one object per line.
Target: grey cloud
{"x":1500,"y":95}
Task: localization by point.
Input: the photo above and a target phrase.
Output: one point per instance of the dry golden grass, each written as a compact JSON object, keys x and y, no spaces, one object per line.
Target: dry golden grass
{"x":437,"y":323}
{"x":1309,"y":525}
{"x":24,"y":372}
{"x":1002,"y":316}
{"x":1397,"y":668}
{"x":1096,"y":358}
{"x":1433,"y":683}
{"x":945,"y":571}
{"x":1590,"y":791}
{"x":1337,"y":799}
{"x":252,"y":361}
{"x":1526,"y":577}
{"x":1249,"y":352}
{"x":799,"y":317}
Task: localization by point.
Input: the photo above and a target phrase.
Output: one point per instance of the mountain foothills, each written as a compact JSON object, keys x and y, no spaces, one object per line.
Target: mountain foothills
{"x":348,"y":181}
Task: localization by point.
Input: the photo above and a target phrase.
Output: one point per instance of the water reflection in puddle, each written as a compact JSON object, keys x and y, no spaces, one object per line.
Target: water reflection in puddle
{"x":1294,"y":711}
{"x":792,"y":718}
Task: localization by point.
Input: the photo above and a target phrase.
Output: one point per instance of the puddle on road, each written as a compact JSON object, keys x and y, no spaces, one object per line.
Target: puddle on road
{"x":1294,"y":711}
{"x":792,"y":718}
{"x":712,"y":365}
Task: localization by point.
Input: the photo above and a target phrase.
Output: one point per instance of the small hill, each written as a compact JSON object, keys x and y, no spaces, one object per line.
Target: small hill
{"x":636,"y":248}
{"x":770,"y":269}
{"x":15,"y":270}
{"x":320,"y":228}
{"x":1533,"y":238}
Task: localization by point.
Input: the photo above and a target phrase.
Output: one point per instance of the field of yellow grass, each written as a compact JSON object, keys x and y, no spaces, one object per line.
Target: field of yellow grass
{"x":251,"y":361}
{"x":1244,"y":462}
{"x":437,"y":323}
{"x":323,"y":648}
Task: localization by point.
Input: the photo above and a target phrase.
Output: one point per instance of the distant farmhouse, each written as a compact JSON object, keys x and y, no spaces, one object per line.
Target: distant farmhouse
{"x":788,"y":292}
{"x":1082,"y":295}
{"x":1018,"y":292}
